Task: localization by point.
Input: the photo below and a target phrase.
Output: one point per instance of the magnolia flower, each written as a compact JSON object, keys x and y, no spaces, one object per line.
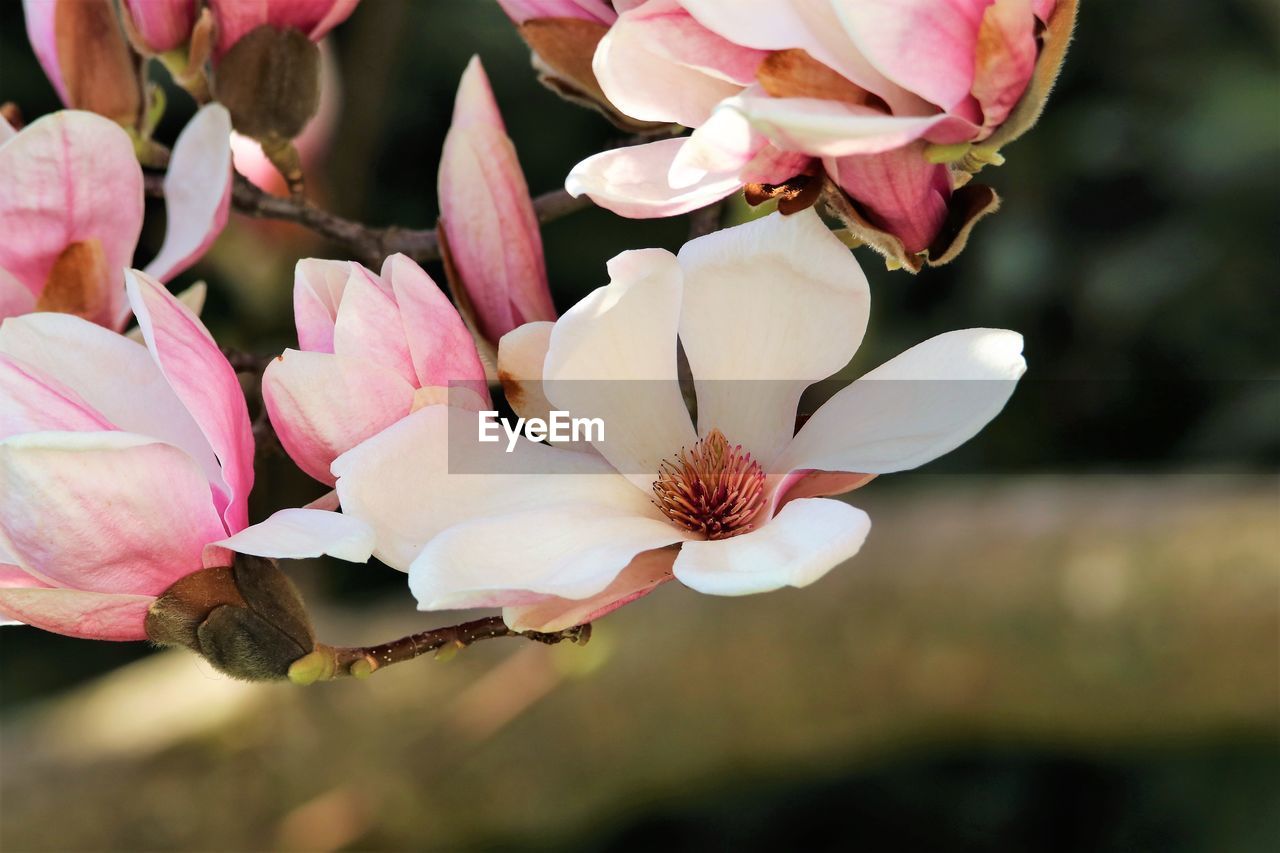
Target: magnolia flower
{"x":372,"y":349}
{"x":487,"y":219}
{"x":558,"y":536}
{"x":72,"y":211}
{"x":880,"y":95}
{"x":314,"y":18}
{"x":161,"y":25}
{"x":121,"y":464}
{"x":83,"y":52}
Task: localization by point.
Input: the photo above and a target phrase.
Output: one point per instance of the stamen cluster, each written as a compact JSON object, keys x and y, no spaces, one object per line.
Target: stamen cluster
{"x":713,"y":488}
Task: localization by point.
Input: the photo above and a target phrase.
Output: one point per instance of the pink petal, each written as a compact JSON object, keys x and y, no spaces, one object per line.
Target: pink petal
{"x":315,"y":18}
{"x":369,"y":327}
{"x":298,"y":534}
{"x":69,"y":177}
{"x":104,"y":511}
{"x":925,"y":46}
{"x":900,"y":191}
{"x":1006,"y":58}
{"x":39,"y":15}
{"x":646,"y":572}
{"x":73,"y":613}
{"x":322,"y":405}
{"x":317,"y":292}
{"x":586,"y":10}
{"x":15,"y":298}
{"x":443,"y":351}
{"x":199,"y":374}
{"x":658,"y":64}
{"x":34,"y":402}
{"x":813,"y":484}
{"x":197,"y":192}
{"x":494,"y":240}
{"x":112,"y":374}
{"x":635,"y":181}
{"x":163,"y":25}
{"x":812,"y":27}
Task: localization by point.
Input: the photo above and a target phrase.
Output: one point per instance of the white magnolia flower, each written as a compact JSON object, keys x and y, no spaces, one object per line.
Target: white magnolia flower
{"x":557,"y":536}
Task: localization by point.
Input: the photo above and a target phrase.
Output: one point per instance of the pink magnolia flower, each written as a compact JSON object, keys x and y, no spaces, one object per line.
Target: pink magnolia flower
{"x":487,"y":218}
{"x":72,"y":211}
{"x":122,"y":463}
{"x":558,"y":536}
{"x":860,"y":90}
{"x":372,"y":349}
{"x":315,"y":18}
{"x":161,"y":25}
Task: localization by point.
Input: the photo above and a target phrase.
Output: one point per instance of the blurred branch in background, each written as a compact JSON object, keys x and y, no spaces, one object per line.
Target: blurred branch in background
{"x":1095,"y":615}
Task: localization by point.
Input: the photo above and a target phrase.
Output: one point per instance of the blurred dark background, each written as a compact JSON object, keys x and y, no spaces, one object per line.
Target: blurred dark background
{"x":1074,"y":648}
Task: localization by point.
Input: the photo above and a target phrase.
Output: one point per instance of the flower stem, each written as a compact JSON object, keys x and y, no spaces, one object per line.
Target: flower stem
{"x":329,"y":662}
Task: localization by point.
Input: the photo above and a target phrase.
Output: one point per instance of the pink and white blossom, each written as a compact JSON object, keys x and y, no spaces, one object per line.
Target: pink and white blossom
{"x":72,"y":211}
{"x":736,"y":504}
{"x":125,"y":466}
{"x":371,"y":350}
{"x":779,"y":88}
{"x":488,"y":220}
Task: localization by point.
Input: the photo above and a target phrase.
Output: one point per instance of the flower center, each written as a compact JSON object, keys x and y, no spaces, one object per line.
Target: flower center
{"x":713,"y":488}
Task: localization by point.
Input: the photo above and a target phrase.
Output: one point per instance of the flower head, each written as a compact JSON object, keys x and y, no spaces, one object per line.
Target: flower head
{"x":372,"y":349}
{"x":487,"y":219}
{"x":895,"y":102}
{"x":73,"y":205}
{"x":125,"y":467}
{"x":557,"y":535}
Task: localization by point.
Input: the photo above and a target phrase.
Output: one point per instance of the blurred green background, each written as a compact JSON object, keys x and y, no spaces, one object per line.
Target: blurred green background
{"x":1065,"y":636}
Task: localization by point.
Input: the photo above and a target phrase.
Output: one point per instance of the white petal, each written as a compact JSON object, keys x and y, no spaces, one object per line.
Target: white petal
{"x":769,"y":308}
{"x":831,"y":128}
{"x":570,"y":550}
{"x":197,"y":191}
{"x":635,"y":181}
{"x":914,"y":408}
{"x":428,"y":472}
{"x":804,"y":542}
{"x":297,"y":534}
{"x":521,"y":354}
{"x":613,"y":357}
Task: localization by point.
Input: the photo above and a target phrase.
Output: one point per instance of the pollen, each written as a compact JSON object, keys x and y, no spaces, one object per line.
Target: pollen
{"x":714,"y":488}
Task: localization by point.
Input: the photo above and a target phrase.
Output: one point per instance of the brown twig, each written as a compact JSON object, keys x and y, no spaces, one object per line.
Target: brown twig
{"x":328,"y":662}
{"x":368,"y":243}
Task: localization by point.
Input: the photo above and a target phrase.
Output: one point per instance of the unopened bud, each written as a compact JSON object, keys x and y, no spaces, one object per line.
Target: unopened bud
{"x":270,"y":82}
{"x":246,"y":619}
